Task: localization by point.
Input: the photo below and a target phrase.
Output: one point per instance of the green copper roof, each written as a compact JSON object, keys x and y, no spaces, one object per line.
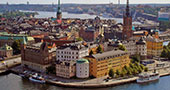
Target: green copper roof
{"x":25,"y":38}
{"x":6,"y":47}
{"x":82,"y":61}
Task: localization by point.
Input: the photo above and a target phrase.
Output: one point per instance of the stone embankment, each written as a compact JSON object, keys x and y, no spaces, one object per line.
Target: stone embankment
{"x":101,"y":84}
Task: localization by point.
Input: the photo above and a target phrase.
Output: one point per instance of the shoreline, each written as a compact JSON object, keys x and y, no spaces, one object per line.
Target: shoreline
{"x":99,"y":85}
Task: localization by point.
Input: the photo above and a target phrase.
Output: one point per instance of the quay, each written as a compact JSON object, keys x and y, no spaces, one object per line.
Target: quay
{"x":88,"y":84}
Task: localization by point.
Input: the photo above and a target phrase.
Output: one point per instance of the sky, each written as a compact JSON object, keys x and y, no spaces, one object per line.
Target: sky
{"x":83,"y":1}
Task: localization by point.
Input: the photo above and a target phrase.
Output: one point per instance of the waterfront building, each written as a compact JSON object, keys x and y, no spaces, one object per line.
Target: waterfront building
{"x":82,"y":68}
{"x":127,"y":24}
{"x":37,"y":56}
{"x":65,"y":69}
{"x":6,"y":38}
{"x":71,"y":52}
{"x":154,"y":46}
{"x":101,"y":63}
{"x":6,"y":51}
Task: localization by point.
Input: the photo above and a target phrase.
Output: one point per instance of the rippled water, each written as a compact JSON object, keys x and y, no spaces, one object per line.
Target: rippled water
{"x":14,"y":82}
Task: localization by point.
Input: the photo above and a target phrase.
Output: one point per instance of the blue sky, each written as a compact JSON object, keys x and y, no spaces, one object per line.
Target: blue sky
{"x":83,"y":1}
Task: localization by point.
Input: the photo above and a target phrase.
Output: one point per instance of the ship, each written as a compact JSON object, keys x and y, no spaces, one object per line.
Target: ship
{"x":37,"y":78}
{"x":148,"y":77}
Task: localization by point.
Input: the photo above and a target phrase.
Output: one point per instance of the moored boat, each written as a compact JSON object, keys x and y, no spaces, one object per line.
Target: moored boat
{"x":148,"y":77}
{"x":37,"y":78}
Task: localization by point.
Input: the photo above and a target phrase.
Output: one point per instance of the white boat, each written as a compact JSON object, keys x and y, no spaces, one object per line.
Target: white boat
{"x":147,"y":77}
{"x":37,"y":78}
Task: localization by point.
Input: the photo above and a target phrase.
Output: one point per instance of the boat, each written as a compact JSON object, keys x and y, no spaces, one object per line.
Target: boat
{"x":148,"y":77}
{"x":37,"y":78}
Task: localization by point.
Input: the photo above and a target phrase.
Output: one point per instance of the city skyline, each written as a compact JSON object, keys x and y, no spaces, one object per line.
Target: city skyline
{"x":85,"y":2}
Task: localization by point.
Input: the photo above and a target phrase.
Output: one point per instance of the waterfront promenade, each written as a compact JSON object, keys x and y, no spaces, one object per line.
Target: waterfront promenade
{"x":90,"y":83}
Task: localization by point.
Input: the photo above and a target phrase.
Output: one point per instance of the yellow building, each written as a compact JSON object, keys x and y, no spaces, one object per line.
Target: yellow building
{"x":154,"y":46}
{"x":101,"y":63}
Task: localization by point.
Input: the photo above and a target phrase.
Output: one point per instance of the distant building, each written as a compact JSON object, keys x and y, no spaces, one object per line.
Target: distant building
{"x":6,"y":51}
{"x":101,"y":63}
{"x":37,"y":56}
{"x":82,"y":68}
{"x":71,"y":52}
{"x":65,"y":69}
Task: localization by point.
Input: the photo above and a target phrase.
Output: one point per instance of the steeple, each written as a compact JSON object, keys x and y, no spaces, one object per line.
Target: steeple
{"x":59,"y":8}
{"x":127,"y":9}
{"x":59,"y":13}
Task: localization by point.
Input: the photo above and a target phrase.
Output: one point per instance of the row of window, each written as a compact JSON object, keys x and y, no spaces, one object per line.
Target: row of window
{"x":111,"y":57}
{"x":65,"y":52}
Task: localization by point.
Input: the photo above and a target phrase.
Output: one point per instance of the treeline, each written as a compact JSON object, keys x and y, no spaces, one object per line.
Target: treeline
{"x":13,"y":14}
{"x":166,"y":51}
{"x":131,"y":70}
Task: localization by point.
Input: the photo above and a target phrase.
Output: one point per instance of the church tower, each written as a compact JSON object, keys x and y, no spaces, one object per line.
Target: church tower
{"x":127,"y":24}
{"x":59,"y":13}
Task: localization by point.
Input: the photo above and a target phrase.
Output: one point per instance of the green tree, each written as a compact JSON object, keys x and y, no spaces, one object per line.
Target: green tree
{"x":91,"y":52}
{"x":111,"y":73}
{"x":99,"y":49}
{"x":51,"y":69}
{"x":79,"y":39}
{"x":16,"y":47}
{"x":136,"y":58}
{"x":122,"y":47}
{"x":129,"y":71}
{"x":118,"y":73}
{"x":123,"y":72}
{"x":146,"y":69}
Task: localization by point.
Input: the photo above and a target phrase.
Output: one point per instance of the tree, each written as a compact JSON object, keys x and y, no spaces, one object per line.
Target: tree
{"x":79,"y":39}
{"x":111,"y":73}
{"x":124,"y":72}
{"x":146,"y":69}
{"x":117,"y":73}
{"x":136,"y":58}
{"x":16,"y":47}
{"x":51,"y":69}
{"x":121,"y":47}
{"x":91,"y":52}
{"x":99,"y":49}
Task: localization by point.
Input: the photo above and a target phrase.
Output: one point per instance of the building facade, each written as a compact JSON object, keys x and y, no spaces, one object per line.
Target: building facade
{"x":127,"y":24}
{"x":100,"y":64}
{"x":65,"y":69}
{"x":154,"y":46}
{"x":37,"y":56}
{"x":138,"y":47}
{"x":82,"y":68}
{"x":71,"y":52}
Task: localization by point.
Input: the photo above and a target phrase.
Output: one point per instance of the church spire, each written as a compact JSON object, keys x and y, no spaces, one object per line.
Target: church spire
{"x":59,"y":13}
{"x":59,"y":7}
{"x":127,"y":8}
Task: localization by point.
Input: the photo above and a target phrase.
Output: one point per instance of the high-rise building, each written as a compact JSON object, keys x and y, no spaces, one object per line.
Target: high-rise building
{"x":59,"y":13}
{"x":127,"y":24}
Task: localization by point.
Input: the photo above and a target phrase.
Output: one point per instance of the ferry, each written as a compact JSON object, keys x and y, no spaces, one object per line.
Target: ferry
{"x":148,"y":77}
{"x":37,"y":78}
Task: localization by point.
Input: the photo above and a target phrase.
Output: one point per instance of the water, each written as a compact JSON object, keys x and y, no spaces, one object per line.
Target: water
{"x":45,"y":14}
{"x":14,"y":82}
